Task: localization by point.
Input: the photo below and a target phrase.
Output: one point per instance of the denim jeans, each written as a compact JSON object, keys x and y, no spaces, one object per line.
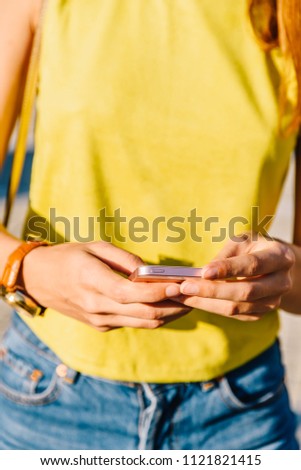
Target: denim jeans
{"x":46,"y":405}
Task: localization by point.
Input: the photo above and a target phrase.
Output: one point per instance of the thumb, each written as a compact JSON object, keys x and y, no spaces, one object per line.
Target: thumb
{"x":230,"y":249}
{"x":234,"y":246}
{"x":118,"y":259}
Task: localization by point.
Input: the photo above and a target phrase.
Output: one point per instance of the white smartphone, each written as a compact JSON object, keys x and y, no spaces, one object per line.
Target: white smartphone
{"x":158,"y":273}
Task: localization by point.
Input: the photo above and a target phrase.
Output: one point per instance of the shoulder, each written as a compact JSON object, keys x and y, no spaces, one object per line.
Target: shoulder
{"x":35,"y":9}
{"x":20,"y":12}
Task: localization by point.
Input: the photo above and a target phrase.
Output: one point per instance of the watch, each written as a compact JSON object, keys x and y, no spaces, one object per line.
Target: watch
{"x":10,"y":292}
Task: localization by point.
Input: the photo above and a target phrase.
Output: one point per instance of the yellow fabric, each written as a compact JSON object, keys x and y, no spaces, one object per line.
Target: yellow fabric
{"x":156,"y":108}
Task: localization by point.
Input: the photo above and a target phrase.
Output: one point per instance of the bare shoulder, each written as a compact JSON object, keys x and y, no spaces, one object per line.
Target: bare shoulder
{"x":20,"y":12}
{"x":36,"y":6}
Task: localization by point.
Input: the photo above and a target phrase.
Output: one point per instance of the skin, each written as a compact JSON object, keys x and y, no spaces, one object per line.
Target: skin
{"x":80,"y":280}
{"x":265,"y":272}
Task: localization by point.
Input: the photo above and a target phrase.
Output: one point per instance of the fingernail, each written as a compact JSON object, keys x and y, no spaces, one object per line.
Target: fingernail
{"x":210,"y":272}
{"x":189,"y":289}
{"x":172,"y":291}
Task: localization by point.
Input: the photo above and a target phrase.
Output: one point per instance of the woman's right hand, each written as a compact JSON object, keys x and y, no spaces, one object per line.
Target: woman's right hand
{"x":80,"y":280}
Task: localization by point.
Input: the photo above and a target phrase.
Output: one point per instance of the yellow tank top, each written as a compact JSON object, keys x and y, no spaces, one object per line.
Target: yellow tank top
{"x":165,"y":110}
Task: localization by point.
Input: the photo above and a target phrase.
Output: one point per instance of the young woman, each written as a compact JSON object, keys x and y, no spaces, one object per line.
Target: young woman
{"x":164,"y":128}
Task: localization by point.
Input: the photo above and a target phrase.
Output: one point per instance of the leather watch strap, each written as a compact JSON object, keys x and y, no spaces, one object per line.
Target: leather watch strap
{"x":14,"y":262}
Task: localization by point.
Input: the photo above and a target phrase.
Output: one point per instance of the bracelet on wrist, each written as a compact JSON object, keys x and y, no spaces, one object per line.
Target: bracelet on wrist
{"x":10,"y":292}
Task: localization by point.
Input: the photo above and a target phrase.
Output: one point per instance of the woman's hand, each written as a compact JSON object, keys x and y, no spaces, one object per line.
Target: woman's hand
{"x":261,"y":269}
{"x":78,"y":280}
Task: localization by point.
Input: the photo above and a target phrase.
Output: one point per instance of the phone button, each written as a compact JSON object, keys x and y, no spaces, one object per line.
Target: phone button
{"x":158,"y":270}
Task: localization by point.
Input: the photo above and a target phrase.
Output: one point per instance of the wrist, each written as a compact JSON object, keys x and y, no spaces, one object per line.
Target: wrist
{"x":291,"y":302}
{"x":31,"y":268}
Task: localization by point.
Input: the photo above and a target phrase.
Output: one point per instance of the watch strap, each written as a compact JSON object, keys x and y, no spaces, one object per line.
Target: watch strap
{"x":14,"y":263}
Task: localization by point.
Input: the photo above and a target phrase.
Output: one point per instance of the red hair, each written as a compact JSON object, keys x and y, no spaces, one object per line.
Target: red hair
{"x":277,"y":23}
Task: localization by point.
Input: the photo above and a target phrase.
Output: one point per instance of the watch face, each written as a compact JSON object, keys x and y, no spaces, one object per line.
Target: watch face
{"x":19,"y":301}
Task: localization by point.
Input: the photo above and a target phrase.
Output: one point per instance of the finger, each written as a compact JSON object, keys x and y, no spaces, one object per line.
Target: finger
{"x":123,"y":291}
{"x":117,"y":321}
{"x":98,"y":304}
{"x":250,"y":264}
{"x":247,"y":311}
{"x":228,"y":250}
{"x":277,"y":283}
{"x":117,"y":258}
{"x":234,"y":246}
{"x":77,"y":314}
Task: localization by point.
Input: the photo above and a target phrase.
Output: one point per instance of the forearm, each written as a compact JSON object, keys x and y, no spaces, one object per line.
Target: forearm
{"x":291,"y":302}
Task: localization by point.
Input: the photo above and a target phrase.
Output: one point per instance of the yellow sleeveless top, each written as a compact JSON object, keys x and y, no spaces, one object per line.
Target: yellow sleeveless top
{"x":165,"y":110}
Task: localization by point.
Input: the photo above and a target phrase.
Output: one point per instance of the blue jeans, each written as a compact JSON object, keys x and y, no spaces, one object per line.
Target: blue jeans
{"x":45,"y":405}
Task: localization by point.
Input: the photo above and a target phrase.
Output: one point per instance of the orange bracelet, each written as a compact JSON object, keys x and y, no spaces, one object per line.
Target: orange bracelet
{"x":14,"y":263}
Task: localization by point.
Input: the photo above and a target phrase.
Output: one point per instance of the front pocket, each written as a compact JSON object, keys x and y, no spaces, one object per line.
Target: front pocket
{"x":26,"y":383}
{"x":256,"y":383}
{"x":233,"y":400}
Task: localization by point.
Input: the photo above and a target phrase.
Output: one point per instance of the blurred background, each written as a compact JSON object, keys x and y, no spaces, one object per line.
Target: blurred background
{"x":290,"y":334}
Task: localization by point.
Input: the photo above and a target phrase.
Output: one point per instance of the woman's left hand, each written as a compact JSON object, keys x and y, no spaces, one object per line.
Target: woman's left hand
{"x":246,"y":280}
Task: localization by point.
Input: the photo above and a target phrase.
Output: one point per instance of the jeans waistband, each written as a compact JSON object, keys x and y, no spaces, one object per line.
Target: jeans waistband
{"x":267,"y":358}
